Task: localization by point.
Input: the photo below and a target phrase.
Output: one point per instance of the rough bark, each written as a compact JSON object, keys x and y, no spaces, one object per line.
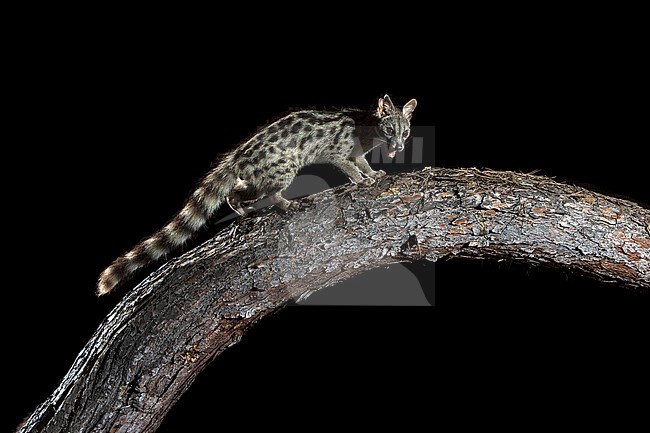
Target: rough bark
{"x":151,"y":347}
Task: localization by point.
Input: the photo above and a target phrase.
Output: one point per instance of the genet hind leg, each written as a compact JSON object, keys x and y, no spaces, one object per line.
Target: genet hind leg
{"x":241,"y":191}
{"x":280,"y":181}
{"x":235,"y":202}
{"x":279,"y":201}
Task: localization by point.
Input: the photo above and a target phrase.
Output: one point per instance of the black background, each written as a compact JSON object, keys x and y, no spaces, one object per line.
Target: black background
{"x":116,"y":134}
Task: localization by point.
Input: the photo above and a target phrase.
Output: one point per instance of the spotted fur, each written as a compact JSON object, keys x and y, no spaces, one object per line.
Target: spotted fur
{"x":266,"y":164}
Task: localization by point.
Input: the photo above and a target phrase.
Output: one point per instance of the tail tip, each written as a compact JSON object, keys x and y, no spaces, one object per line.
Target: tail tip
{"x":106,"y":283}
{"x":103,"y":288}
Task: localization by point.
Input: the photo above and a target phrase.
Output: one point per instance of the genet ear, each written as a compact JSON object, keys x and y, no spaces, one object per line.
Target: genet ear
{"x":409,"y":108}
{"x":386,"y":107}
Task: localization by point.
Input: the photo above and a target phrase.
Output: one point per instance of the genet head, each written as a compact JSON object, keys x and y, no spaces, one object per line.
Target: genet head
{"x":395,"y":124}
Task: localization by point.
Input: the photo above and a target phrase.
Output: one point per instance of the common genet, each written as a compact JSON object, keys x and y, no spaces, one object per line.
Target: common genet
{"x":265,"y":165}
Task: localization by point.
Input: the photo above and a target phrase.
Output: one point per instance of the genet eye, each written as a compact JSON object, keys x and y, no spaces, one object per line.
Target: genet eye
{"x":390,"y":131}
{"x":405,"y":133}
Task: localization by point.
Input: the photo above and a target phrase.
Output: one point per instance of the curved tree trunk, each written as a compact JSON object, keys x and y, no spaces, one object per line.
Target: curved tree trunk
{"x":151,"y":347}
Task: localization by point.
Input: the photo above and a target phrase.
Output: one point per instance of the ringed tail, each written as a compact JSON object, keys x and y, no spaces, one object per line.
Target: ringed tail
{"x":206,"y":199}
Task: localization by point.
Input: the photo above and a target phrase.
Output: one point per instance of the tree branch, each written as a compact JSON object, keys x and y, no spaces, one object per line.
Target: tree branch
{"x":151,"y":347}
